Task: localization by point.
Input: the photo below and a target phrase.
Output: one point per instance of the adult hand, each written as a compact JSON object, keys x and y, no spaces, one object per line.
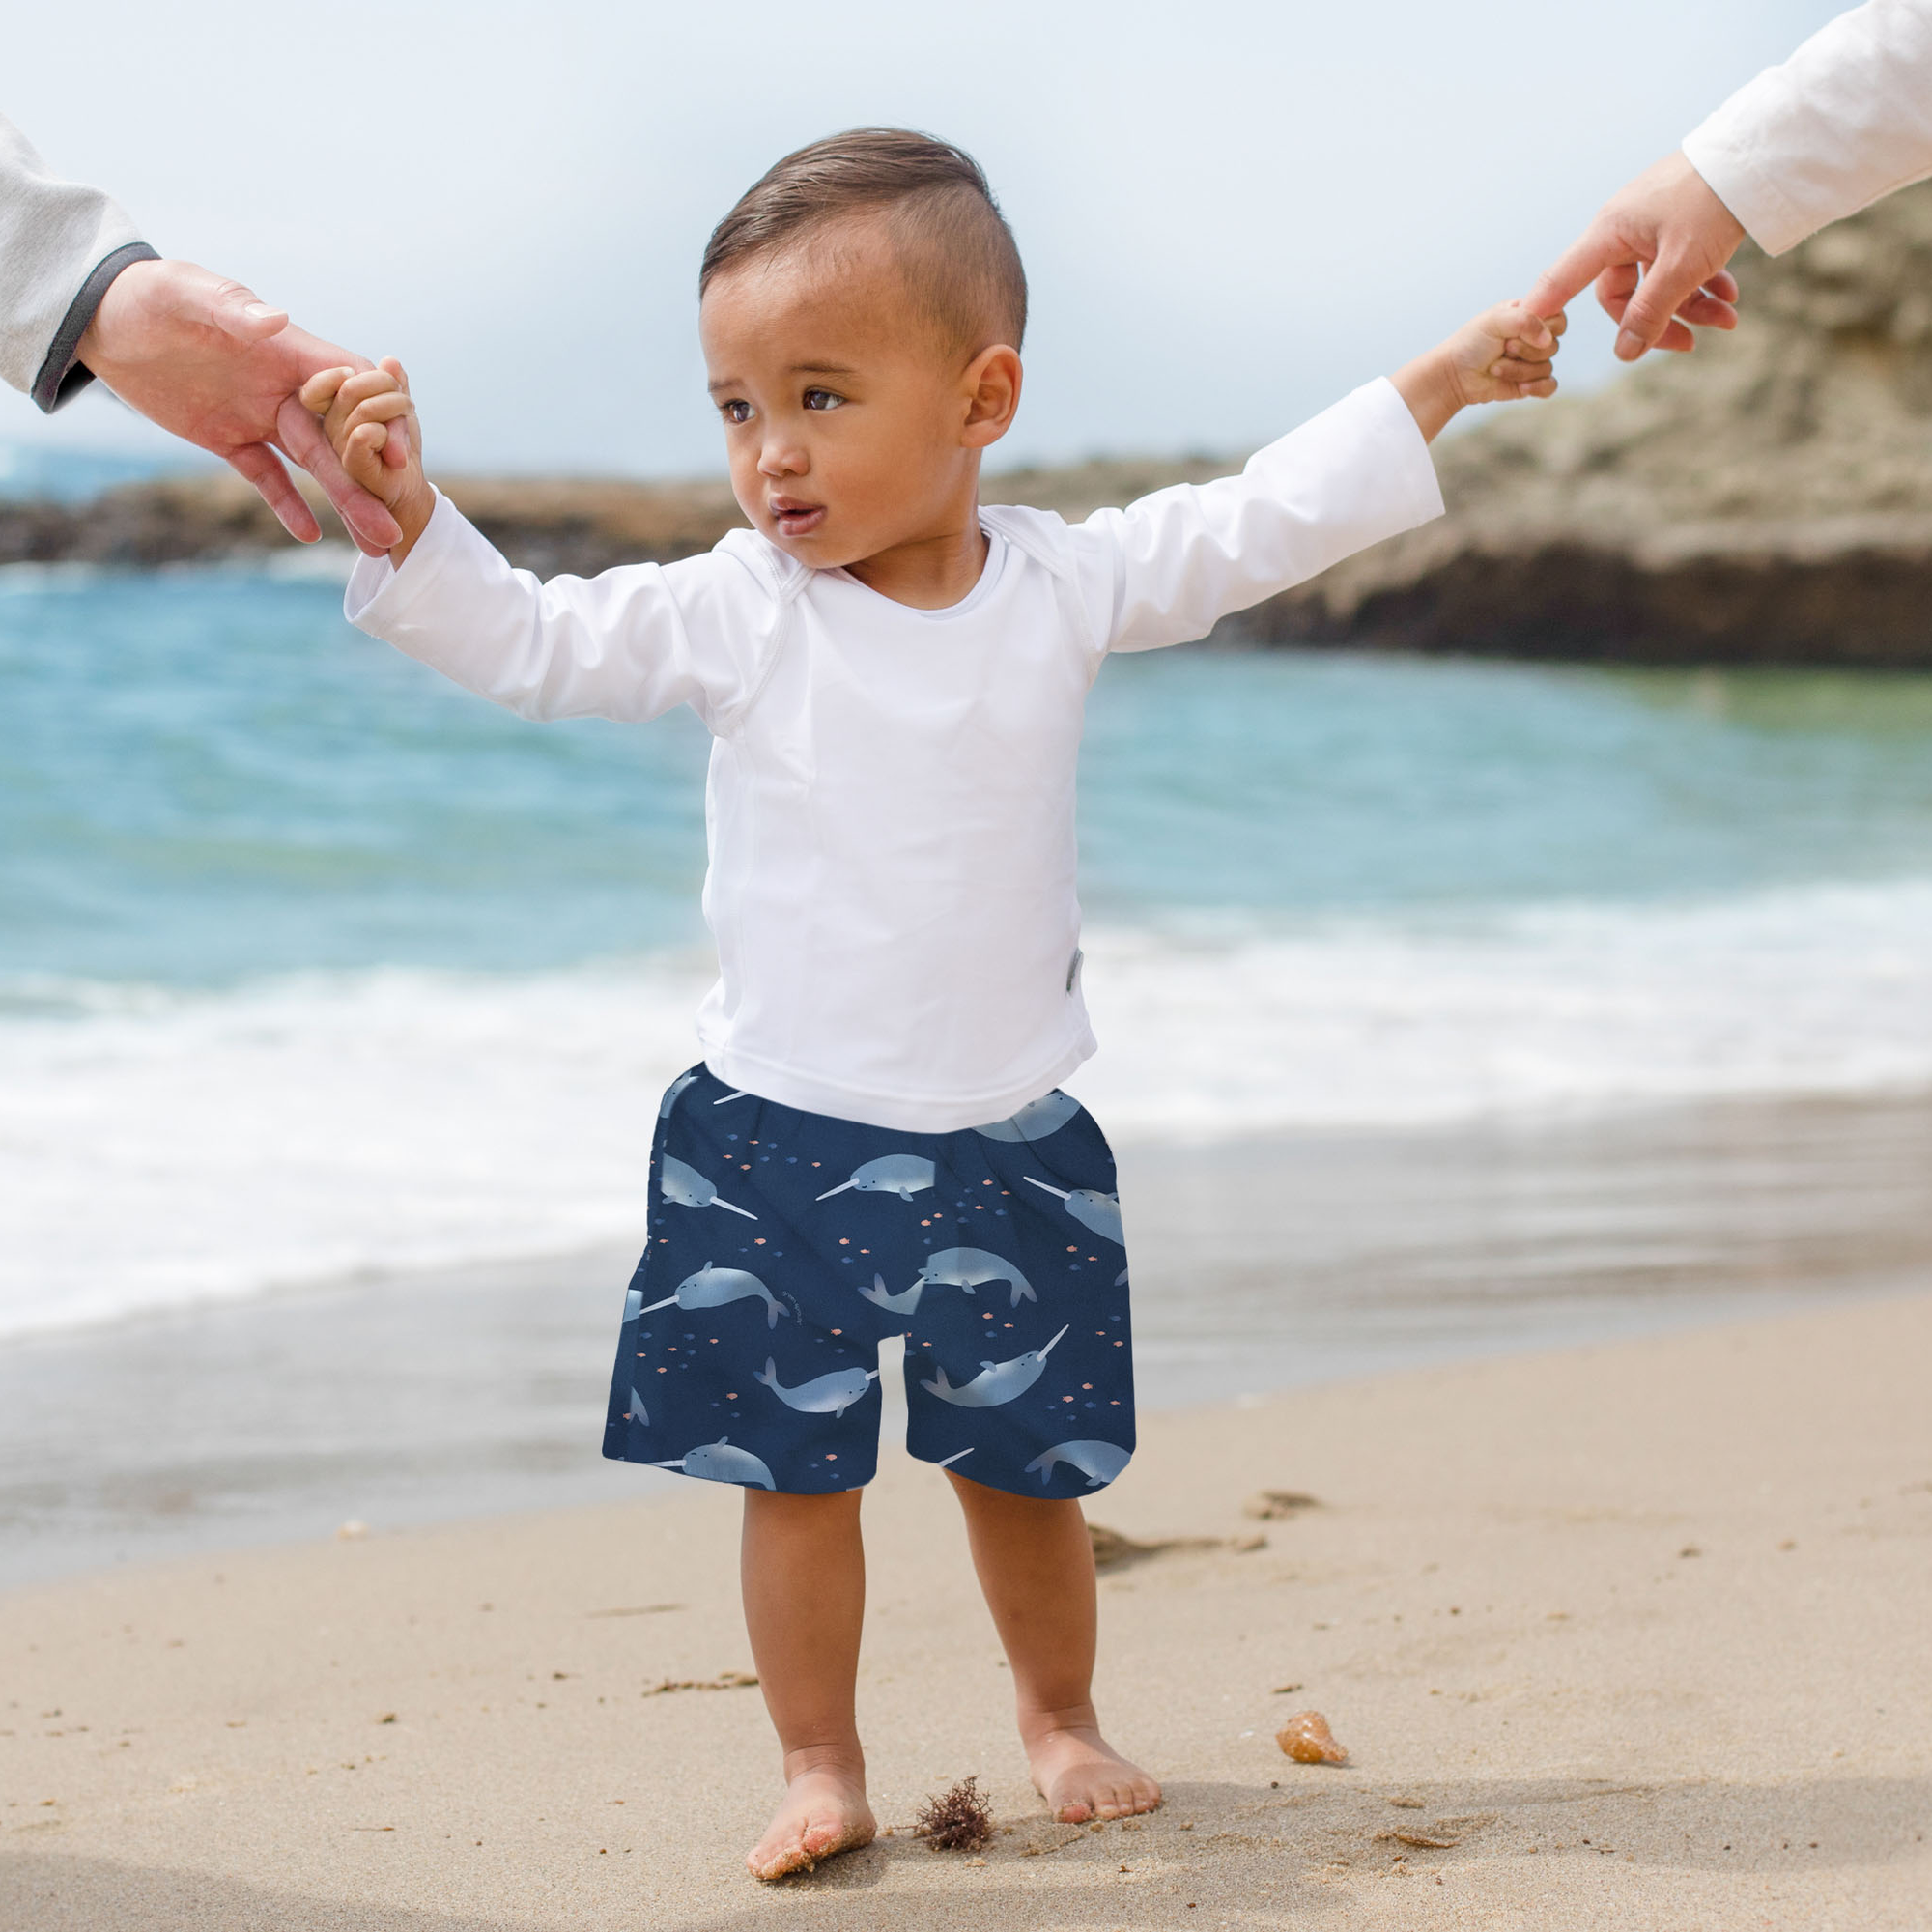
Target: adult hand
{"x":1656,"y":252}
{"x":215,"y":366}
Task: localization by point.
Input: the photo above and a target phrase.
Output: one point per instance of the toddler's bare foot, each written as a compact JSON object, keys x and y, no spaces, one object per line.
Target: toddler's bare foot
{"x":824,"y":1812}
{"x":1081,"y":1775}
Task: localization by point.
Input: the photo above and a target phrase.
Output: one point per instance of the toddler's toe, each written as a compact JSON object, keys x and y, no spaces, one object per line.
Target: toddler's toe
{"x":1082,"y":1777}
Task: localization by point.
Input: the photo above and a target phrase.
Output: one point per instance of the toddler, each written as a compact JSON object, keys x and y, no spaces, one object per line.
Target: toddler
{"x":874,"y":1143}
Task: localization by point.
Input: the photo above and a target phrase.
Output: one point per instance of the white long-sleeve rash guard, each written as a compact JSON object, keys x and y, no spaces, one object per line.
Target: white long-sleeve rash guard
{"x":890,"y":796}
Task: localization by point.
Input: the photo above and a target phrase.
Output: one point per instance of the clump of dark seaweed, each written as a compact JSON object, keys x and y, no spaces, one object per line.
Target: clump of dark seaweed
{"x":961,"y":1821}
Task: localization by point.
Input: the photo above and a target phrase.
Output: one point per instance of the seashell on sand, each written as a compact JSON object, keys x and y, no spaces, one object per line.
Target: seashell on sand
{"x":1307,"y":1739}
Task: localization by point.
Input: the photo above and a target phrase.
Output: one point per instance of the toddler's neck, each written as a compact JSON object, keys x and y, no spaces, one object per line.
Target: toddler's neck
{"x":934,"y":570}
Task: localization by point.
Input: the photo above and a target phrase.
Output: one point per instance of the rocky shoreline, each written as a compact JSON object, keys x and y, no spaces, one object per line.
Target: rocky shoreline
{"x":1767,"y":501}
{"x":540,"y":524}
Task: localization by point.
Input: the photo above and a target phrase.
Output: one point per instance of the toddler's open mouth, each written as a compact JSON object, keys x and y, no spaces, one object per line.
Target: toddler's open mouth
{"x":795,"y":519}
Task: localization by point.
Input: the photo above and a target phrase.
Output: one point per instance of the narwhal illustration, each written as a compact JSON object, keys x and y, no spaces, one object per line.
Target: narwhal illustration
{"x":636,"y":1412}
{"x":713,"y":1288}
{"x":671,"y":1092}
{"x":1101,"y":1212}
{"x":719,"y":1462}
{"x":685,"y":1187}
{"x":1035,"y":1121}
{"x":963,"y":1268}
{"x":831,"y":1394}
{"x":902,"y":1174}
{"x":997,"y":1382}
{"x":1099,"y":1461}
{"x":968,"y":1269}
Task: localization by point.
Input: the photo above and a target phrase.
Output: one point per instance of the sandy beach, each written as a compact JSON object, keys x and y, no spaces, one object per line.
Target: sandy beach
{"x":1626,"y":1635}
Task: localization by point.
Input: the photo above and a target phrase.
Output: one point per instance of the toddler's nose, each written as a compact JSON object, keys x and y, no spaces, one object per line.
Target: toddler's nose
{"x":782,"y":458}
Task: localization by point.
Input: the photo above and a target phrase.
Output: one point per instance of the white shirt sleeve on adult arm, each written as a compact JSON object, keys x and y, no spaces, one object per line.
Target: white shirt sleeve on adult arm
{"x":1847,"y":118}
{"x":631,"y":644}
{"x":1182,"y":558}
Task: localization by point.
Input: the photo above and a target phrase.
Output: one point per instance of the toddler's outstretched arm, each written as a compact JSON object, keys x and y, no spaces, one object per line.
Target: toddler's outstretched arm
{"x":1501,"y":356}
{"x":371,"y":423}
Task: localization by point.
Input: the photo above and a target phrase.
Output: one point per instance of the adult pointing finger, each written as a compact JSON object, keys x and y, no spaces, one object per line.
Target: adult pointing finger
{"x":1846,"y":120}
{"x":1656,"y":252}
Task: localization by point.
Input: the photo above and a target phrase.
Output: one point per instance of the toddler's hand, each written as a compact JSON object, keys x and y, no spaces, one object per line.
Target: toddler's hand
{"x":1503,"y":355}
{"x":371,"y":423}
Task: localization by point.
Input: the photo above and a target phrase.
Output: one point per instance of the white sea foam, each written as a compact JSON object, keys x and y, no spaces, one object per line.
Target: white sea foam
{"x":1824,"y":990}
{"x":24,"y":579}
{"x":157,"y":1147}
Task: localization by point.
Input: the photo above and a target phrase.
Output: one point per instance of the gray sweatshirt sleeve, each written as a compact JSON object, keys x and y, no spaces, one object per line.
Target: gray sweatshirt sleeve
{"x":61,"y":244}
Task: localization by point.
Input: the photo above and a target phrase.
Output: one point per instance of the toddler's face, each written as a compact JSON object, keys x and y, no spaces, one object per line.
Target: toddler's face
{"x":845,"y":417}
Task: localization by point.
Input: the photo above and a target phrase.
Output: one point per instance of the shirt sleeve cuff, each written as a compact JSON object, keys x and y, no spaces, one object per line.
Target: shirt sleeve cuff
{"x":379,"y":595}
{"x":61,"y":376}
{"x":1419,"y":490}
{"x":1753,"y":197}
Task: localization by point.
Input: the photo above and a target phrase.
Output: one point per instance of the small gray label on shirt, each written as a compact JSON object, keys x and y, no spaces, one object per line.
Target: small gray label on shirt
{"x":1073,"y":966}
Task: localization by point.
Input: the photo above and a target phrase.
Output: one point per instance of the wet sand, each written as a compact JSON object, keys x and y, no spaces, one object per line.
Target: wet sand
{"x":1274,"y":1265}
{"x":1626,"y":1635}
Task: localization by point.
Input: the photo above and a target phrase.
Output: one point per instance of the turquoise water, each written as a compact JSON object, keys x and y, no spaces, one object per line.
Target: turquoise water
{"x":1300,"y":784}
{"x":207,"y":776}
{"x":312,"y":965}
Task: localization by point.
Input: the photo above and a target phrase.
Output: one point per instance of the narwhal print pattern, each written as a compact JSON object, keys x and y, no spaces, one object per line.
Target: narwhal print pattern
{"x":749,"y":1348}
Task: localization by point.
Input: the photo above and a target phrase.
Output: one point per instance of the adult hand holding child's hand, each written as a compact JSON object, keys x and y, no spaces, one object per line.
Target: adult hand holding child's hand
{"x":211,"y":364}
{"x":370,"y":420}
{"x":1502,"y":356}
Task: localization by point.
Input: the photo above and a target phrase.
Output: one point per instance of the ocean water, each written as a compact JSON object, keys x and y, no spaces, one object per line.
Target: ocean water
{"x":312,"y":966}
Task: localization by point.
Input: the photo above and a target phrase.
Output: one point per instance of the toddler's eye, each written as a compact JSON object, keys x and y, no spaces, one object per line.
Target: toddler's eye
{"x":737,"y":412}
{"x":822,"y":398}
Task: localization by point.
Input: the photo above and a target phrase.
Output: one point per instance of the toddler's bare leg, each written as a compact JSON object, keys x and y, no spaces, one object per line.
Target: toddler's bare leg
{"x":803,"y":1572}
{"x":1036,"y":1566}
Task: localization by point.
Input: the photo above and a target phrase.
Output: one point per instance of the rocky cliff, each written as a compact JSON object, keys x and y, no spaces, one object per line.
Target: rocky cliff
{"x":546,"y":526}
{"x":1768,"y":498}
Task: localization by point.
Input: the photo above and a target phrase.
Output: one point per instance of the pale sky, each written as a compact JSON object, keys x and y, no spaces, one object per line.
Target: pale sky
{"x":1230,"y":211}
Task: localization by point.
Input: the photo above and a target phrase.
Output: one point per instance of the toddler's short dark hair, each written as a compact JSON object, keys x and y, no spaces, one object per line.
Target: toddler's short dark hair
{"x":958,"y":257}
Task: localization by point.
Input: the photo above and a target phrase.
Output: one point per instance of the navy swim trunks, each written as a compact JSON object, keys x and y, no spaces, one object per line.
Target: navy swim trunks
{"x":785,"y":1246}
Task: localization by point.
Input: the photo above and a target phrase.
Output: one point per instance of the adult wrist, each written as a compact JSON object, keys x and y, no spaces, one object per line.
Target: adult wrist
{"x":62,"y":373}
